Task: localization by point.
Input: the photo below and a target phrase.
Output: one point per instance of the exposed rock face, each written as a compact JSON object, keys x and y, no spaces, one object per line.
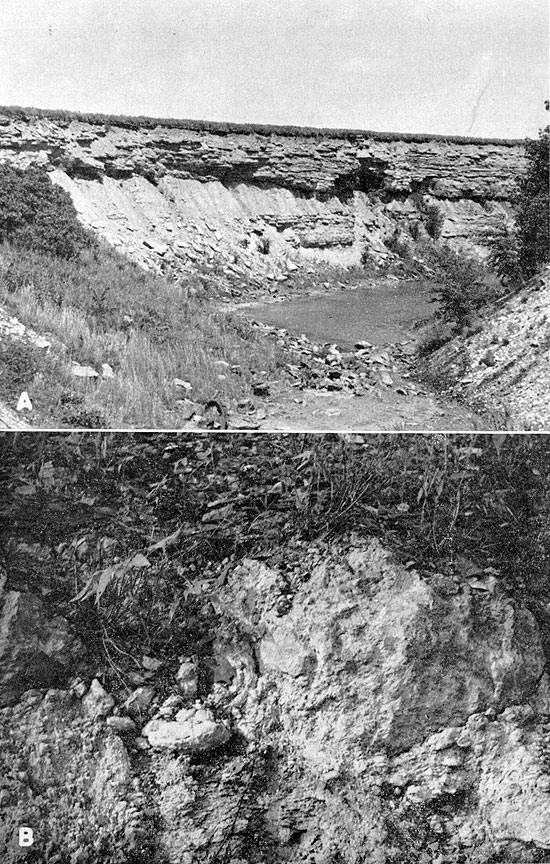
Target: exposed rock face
{"x":192,"y":731}
{"x":165,"y":194}
{"x":322,"y":166}
{"x":375,"y":717}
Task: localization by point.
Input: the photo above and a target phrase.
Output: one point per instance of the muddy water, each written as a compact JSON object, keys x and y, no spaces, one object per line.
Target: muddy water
{"x":381,"y":312}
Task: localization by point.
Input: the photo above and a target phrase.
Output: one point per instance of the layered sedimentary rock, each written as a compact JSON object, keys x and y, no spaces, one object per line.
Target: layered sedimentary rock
{"x":156,"y":191}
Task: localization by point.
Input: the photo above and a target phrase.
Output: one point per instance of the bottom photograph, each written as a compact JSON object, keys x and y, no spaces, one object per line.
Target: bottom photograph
{"x":260,"y":648}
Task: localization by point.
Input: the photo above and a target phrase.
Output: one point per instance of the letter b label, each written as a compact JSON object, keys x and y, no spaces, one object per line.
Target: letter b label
{"x":26,"y":837}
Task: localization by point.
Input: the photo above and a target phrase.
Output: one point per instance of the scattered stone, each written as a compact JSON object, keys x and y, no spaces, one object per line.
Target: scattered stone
{"x":107,"y":371}
{"x":187,"y":679}
{"x":151,"y":663}
{"x":97,"y":702}
{"x":185,"y":385}
{"x":139,"y":701}
{"x":83,"y":371}
{"x":194,"y":730}
{"x":121,"y":724}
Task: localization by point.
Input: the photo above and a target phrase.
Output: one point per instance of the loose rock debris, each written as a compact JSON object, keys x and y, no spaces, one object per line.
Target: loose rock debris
{"x":326,"y":367}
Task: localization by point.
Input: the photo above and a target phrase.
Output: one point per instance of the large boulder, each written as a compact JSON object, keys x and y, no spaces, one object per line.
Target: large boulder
{"x":370,"y":657}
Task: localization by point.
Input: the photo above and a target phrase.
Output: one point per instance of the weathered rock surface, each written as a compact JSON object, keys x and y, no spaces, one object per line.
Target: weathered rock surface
{"x":68,"y":779}
{"x":192,"y":731}
{"x":97,"y":702}
{"x":375,"y":717}
{"x":322,"y":165}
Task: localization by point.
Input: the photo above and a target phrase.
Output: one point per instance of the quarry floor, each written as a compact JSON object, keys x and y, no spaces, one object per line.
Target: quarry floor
{"x":384,"y":312}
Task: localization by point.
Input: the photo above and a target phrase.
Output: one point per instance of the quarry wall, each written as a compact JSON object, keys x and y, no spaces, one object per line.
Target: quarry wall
{"x":260,"y":202}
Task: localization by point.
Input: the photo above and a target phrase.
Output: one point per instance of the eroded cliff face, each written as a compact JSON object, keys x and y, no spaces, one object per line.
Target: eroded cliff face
{"x":170,"y":195}
{"x":369,"y":714}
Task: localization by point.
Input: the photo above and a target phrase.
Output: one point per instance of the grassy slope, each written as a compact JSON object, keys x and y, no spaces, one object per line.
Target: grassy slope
{"x":149,"y":329}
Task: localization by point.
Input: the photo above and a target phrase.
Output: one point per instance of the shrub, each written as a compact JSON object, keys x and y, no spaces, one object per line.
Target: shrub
{"x":414,"y":230}
{"x":434,"y":221}
{"x":434,"y":337}
{"x":463,"y":284}
{"x":35,"y":214}
{"x":504,"y":256}
{"x":398,"y":246}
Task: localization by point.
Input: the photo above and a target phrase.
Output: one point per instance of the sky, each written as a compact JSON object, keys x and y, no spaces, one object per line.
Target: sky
{"x":463,"y":67}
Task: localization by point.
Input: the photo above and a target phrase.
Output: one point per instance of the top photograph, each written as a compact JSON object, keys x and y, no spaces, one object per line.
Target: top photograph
{"x":302,"y":215}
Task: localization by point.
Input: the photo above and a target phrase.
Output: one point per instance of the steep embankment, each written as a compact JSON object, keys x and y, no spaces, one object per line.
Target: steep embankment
{"x":261,"y":202}
{"x":504,"y":365}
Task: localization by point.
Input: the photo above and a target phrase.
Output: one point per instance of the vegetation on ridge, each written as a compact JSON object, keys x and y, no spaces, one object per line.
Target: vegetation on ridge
{"x":221,"y":128}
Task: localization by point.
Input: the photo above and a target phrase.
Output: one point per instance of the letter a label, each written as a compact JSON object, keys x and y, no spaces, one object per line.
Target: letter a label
{"x":24,"y":402}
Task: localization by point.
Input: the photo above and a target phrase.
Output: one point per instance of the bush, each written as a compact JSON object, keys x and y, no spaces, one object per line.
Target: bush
{"x":414,"y":230}
{"x":434,"y":337}
{"x":463,"y":284}
{"x":35,"y":214}
{"x":504,"y":256}
{"x":434,"y":221}
{"x":398,"y":246}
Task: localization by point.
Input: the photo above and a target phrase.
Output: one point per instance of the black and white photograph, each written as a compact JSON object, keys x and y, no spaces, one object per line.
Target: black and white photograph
{"x":274,"y":214}
{"x":274,"y":416}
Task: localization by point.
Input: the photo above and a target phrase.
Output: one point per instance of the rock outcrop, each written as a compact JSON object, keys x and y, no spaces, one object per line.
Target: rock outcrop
{"x":356,"y":712}
{"x":175,"y":195}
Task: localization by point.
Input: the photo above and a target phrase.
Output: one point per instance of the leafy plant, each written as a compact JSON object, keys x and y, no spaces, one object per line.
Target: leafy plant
{"x":462,"y":286}
{"x":35,"y":214}
{"x":533,"y":207}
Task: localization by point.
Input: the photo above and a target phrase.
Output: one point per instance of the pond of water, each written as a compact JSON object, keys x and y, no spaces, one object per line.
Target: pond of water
{"x":380,"y":312}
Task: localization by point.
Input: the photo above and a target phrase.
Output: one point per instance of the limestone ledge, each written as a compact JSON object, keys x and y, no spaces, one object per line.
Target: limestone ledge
{"x":322,"y":166}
